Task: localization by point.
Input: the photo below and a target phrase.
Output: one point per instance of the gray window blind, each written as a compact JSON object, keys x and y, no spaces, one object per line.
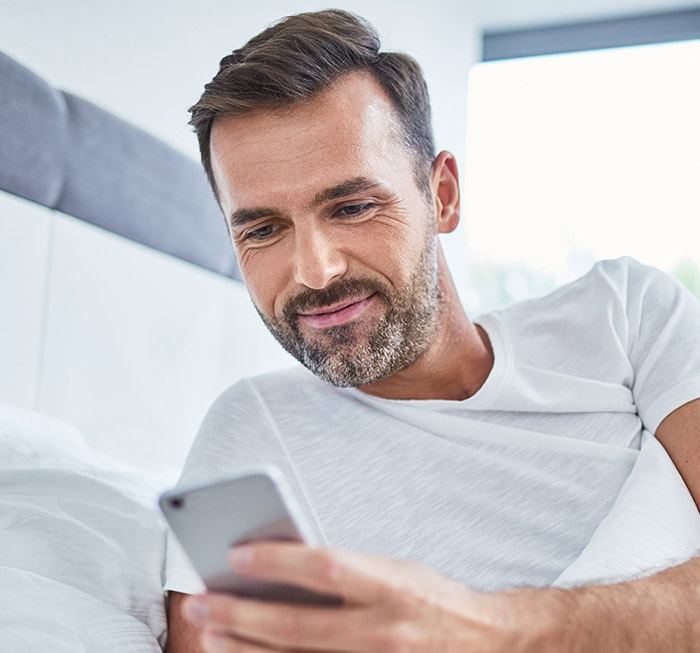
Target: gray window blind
{"x":573,"y":37}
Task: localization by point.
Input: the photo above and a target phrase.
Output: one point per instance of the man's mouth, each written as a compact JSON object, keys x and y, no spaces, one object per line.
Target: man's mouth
{"x":336,"y":314}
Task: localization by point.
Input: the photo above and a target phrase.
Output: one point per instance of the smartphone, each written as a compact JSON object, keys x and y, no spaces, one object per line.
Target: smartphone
{"x":253,"y":504}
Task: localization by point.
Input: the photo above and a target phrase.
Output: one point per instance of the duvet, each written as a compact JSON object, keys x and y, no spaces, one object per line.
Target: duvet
{"x":82,"y":544}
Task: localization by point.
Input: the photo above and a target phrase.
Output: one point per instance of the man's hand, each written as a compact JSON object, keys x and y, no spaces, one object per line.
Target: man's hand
{"x":389,"y":606}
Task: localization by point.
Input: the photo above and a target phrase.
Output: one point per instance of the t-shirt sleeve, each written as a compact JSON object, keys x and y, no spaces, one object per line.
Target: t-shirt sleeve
{"x":236,"y":432}
{"x":663,"y":341}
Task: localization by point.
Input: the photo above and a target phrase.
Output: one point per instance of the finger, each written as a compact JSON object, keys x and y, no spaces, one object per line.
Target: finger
{"x":217,"y":642}
{"x":289,"y":626}
{"x":356,"y":577}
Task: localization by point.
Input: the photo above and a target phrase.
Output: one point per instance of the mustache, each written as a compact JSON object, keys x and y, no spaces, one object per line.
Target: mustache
{"x":337,"y":292}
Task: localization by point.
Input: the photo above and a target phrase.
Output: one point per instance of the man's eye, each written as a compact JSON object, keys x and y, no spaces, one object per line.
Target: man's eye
{"x":353,"y":210}
{"x":261,"y":233}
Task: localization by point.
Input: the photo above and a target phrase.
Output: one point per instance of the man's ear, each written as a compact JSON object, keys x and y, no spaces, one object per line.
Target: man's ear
{"x":445,"y":184}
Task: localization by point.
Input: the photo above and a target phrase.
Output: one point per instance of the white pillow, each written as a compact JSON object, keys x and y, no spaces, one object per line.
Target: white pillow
{"x":82,"y":544}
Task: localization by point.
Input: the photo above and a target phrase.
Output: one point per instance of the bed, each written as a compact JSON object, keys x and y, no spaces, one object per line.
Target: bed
{"x":124,"y":317}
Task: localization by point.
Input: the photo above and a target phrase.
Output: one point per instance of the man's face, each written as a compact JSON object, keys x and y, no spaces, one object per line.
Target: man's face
{"x":334,"y":238}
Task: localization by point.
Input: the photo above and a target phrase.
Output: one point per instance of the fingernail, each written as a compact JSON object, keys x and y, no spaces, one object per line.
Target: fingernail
{"x":197,"y":610}
{"x":214,"y":643}
{"x":241,"y":556}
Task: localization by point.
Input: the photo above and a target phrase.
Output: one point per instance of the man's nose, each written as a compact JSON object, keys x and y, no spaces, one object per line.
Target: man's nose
{"x":317,"y":259}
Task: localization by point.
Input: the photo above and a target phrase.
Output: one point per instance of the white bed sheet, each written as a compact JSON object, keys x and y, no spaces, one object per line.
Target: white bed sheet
{"x":653,"y":524}
{"x":82,"y":544}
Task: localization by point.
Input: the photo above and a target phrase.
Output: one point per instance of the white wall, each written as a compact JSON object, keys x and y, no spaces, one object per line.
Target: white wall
{"x":148,"y":61}
{"x":25,"y":241}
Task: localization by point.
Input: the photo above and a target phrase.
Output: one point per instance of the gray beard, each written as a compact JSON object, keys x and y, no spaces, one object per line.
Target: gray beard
{"x":346,"y":355}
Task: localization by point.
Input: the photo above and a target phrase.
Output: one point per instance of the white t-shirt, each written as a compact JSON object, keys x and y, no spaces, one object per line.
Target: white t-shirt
{"x":502,"y":489}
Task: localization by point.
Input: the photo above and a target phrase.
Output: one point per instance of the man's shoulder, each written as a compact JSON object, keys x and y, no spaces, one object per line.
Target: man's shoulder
{"x":607,"y":282}
{"x":592,"y":313}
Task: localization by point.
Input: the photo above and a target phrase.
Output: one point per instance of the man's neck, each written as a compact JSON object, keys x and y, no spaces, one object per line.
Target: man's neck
{"x":455,"y":365}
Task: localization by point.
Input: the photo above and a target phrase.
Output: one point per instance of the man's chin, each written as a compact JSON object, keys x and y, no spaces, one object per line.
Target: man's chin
{"x":345,"y":355}
{"x":339,"y":372}
{"x":339,"y":357}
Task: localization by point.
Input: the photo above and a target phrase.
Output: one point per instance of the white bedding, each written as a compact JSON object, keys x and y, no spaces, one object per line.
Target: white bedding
{"x":81,"y":544}
{"x":653,"y":524}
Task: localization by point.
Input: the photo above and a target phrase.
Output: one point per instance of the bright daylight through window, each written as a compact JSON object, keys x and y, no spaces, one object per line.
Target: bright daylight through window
{"x":577,"y":157}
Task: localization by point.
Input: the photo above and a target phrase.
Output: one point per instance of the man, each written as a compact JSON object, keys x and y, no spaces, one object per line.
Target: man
{"x":454,"y":468}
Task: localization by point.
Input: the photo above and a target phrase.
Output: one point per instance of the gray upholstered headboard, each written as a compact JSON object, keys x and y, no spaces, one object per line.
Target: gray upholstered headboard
{"x":68,"y":154}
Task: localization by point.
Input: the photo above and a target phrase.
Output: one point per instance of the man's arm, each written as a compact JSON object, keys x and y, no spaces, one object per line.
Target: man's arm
{"x":680,"y":435}
{"x":183,"y":636}
{"x":653,"y":614}
{"x":659,"y":612}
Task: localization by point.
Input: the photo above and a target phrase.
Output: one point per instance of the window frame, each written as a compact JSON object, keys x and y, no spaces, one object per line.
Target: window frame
{"x":621,"y":31}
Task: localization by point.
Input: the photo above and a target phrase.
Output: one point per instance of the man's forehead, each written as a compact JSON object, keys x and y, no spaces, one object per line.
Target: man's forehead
{"x":346,"y":132}
{"x":309,"y":189}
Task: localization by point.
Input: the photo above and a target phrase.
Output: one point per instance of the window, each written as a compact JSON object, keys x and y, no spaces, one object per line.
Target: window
{"x":572,"y":158}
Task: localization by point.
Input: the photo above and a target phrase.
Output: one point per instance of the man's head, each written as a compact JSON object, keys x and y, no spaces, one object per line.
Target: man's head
{"x":320,"y":152}
{"x":301,"y":55}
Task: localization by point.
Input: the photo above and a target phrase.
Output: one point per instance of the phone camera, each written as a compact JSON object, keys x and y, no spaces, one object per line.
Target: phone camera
{"x":177,"y":502}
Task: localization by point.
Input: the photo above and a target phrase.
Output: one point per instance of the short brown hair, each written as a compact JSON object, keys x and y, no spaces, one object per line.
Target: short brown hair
{"x":300,"y":56}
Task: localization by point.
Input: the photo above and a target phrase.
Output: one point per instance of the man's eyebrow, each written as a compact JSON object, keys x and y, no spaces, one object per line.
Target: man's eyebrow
{"x":242,"y":217}
{"x":343,"y":189}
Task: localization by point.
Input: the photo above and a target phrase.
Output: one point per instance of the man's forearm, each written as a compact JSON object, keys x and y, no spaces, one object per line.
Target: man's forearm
{"x":656,"y":613}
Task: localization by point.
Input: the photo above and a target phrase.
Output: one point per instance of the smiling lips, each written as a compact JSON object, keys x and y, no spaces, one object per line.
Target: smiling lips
{"x":336,"y":314}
